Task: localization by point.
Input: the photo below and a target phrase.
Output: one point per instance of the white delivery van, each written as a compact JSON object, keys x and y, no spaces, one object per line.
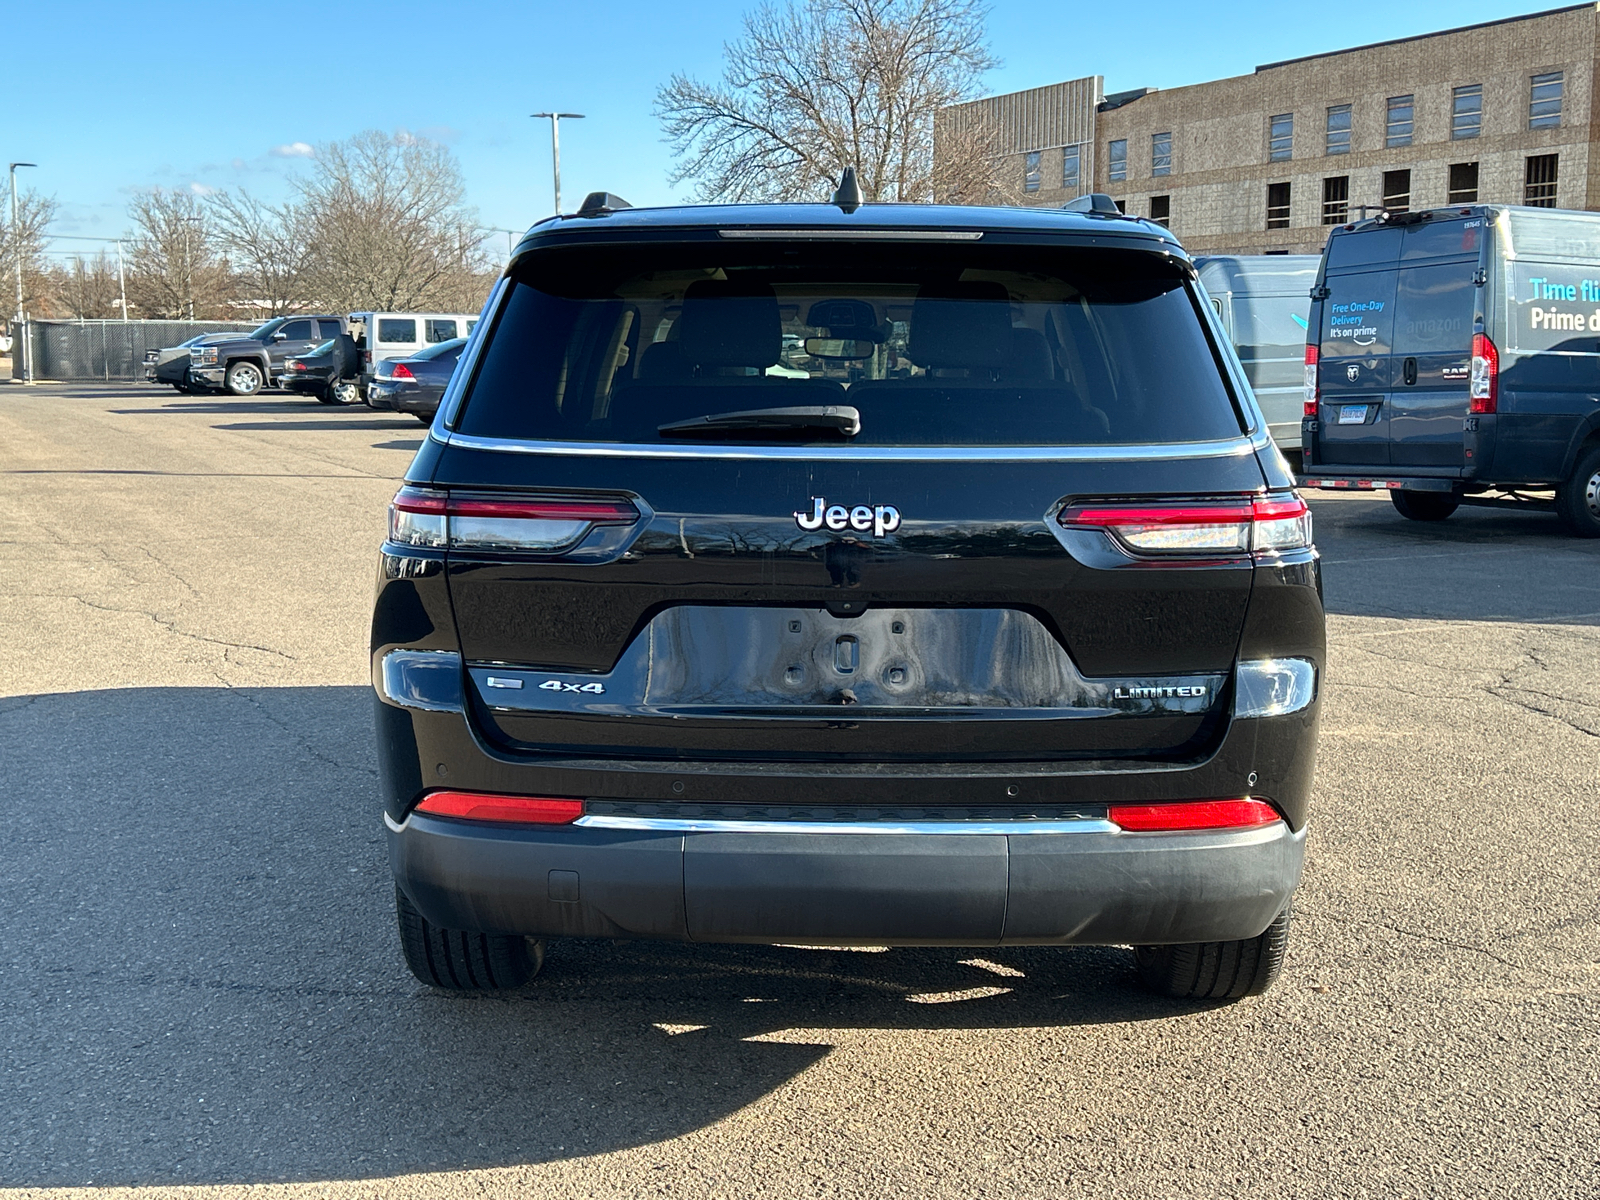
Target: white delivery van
{"x":381,"y":335}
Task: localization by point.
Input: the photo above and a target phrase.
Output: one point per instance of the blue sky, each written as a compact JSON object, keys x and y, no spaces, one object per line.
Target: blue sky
{"x":113,"y":98}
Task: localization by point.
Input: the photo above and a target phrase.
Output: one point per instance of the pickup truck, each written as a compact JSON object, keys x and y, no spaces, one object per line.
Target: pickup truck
{"x":244,"y":365}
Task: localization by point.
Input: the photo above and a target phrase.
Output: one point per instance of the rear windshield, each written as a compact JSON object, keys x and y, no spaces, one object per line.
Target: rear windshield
{"x":442,"y":350}
{"x":931,"y":344}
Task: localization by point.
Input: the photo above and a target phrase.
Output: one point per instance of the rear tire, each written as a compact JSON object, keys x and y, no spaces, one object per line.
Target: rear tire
{"x":244,"y":379}
{"x":426,"y":420}
{"x":456,"y":960}
{"x":1216,"y":970}
{"x":1578,"y":498}
{"x":1424,"y":506}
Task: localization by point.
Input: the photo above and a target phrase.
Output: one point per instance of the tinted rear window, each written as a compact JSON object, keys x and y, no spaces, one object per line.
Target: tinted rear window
{"x":393,"y":329}
{"x":934,"y":345}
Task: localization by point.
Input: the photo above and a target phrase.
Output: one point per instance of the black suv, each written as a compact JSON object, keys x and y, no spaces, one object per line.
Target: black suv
{"x":818,"y":574}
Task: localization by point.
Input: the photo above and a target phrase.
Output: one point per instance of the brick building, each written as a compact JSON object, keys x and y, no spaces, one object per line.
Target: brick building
{"x":1495,"y":113}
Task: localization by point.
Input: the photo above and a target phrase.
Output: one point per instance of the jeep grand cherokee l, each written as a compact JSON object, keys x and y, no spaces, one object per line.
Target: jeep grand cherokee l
{"x":888,"y":575}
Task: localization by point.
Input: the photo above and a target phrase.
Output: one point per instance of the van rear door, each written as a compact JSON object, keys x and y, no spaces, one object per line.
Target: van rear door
{"x":1355,"y":343}
{"x":1436,"y":299}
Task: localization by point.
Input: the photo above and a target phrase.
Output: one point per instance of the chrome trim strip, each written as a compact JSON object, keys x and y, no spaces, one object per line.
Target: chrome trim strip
{"x":854,"y":235}
{"x":1224,"y":448}
{"x":709,"y":825}
{"x":394,"y":826}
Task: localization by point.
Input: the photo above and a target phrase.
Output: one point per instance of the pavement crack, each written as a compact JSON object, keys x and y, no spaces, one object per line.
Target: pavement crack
{"x":172,"y":627}
{"x":1426,"y":937}
{"x":300,"y":738}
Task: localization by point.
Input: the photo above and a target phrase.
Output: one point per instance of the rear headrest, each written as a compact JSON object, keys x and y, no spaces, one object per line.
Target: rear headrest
{"x":1031,"y":361}
{"x":961,"y":325}
{"x":730,"y":324}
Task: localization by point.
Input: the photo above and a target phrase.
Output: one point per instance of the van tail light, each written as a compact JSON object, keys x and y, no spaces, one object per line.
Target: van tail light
{"x":421,"y":517}
{"x":1485,"y":386}
{"x":1313,"y":388}
{"x":1201,"y":529}
{"x":1246,"y":813}
{"x":400,"y":371}
{"x":505,"y":810}
{"x":366,"y":358}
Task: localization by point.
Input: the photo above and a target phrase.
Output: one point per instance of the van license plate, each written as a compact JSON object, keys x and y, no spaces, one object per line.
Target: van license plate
{"x":1352,"y":414}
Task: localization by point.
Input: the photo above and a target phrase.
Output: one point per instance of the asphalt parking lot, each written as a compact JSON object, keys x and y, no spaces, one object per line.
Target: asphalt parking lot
{"x":202,"y":987}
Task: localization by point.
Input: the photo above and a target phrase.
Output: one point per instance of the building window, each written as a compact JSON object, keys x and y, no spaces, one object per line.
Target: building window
{"x":1161,"y":154}
{"x":1466,"y":112}
{"x":1397,"y":131}
{"x":1277,"y":206}
{"x":1071,"y":169}
{"x":1280,"y":137}
{"x":1161,"y":210}
{"x":1336,"y":200}
{"x":1544,"y":101}
{"x":1118,"y":160}
{"x":1539,"y":184}
{"x":1397,"y":191}
{"x":1463,"y":183}
{"x":1339,"y":129}
{"x":1030,"y":171}
{"x":1122,"y":205}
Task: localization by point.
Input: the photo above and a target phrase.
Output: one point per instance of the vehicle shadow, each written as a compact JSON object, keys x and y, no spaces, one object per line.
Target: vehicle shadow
{"x":400,"y":444}
{"x":204,"y":985}
{"x":1481,"y":564}
{"x":374,"y":422}
{"x":289,"y":403}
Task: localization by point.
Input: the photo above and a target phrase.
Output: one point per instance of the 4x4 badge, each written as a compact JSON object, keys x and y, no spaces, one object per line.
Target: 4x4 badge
{"x":879,"y":518}
{"x":556,"y":685}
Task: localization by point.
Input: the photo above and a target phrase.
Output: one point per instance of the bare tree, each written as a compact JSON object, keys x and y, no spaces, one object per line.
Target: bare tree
{"x":173,"y":267}
{"x":26,"y":241}
{"x":820,"y":85}
{"x":388,"y":227}
{"x":87,"y":288}
{"x":267,"y":249}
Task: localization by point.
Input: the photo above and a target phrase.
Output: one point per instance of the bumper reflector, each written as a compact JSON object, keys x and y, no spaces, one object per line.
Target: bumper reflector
{"x":1193,"y":814}
{"x":507,"y":810}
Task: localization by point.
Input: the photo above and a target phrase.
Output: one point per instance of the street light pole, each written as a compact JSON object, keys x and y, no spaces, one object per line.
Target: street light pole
{"x":122,"y":282}
{"x":188,"y":261}
{"x":555,"y":145}
{"x":16,"y":249}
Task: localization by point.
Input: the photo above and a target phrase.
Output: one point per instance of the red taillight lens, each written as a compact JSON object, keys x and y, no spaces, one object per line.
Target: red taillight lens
{"x":1261,"y":524}
{"x":1313,"y":387}
{"x":297,"y":365}
{"x":1485,"y":386}
{"x":400,"y":371}
{"x":508,"y":810}
{"x":1193,"y":814}
{"x":427,"y":518}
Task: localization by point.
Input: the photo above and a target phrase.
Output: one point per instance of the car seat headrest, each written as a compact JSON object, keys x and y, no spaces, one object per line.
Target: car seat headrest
{"x":730,"y":324}
{"x":961,"y":325}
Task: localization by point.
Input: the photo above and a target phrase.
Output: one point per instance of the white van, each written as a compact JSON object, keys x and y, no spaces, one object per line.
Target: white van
{"x":381,"y":335}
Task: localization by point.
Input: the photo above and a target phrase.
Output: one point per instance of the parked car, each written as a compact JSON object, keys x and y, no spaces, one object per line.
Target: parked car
{"x":400,"y":335}
{"x":1263,"y":301}
{"x":1456,"y":352}
{"x":416,"y":384}
{"x":242,"y":366}
{"x":1014,"y":640}
{"x":327,"y":372}
{"x":171,"y":365}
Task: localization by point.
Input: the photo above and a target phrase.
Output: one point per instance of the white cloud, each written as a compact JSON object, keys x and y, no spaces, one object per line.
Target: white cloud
{"x":200,"y":189}
{"x":293,"y":150}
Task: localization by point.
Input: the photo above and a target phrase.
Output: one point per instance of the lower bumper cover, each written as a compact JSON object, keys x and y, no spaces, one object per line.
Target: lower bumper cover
{"x":971,"y":889}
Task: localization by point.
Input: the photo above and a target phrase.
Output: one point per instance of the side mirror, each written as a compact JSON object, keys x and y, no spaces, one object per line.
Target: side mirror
{"x":836,"y":349}
{"x":279,"y":336}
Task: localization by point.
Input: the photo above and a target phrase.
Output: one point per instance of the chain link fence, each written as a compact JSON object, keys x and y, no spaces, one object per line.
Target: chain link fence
{"x":74,"y":351}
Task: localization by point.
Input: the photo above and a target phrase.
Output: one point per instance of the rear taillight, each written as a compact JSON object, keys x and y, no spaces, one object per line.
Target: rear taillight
{"x":1260,"y":525}
{"x":366,"y":358}
{"x":541,"y":526}
{"x":296,"y":365}
{"x":1313,"y":389}
{"x":505,"y":810}
{"x":400,"y":371}
{"x":1485,"y":386}
{"x":1193,"y":814}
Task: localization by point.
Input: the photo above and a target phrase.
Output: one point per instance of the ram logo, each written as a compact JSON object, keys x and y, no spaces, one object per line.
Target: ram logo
{"x":1197,"y":691}
{"x":878,"y":519}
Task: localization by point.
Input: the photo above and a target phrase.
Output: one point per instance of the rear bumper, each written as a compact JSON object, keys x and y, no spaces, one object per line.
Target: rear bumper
{"x":1085,"y":887}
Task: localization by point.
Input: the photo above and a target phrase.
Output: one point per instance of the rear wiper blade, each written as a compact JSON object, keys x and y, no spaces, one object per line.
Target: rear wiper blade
{"x":838,"y":419}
